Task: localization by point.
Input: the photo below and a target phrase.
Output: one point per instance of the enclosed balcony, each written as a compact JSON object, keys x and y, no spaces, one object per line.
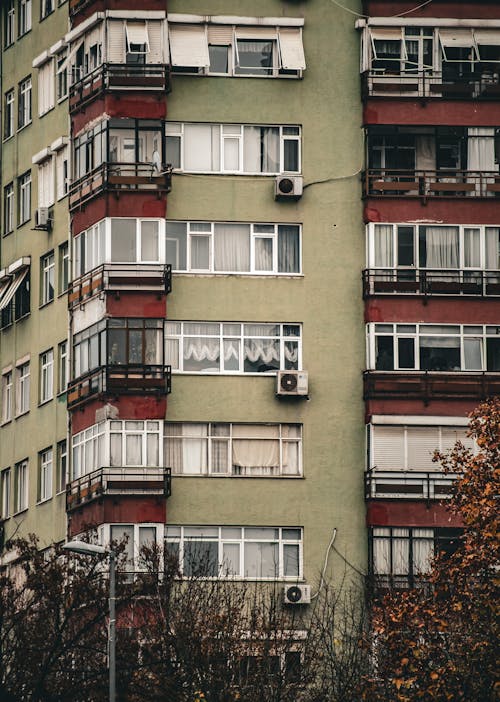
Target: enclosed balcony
{"x":80,"y":9}
{"x":430,"y":385}
{"x":426,"y":283}
{"x":119,"y":156}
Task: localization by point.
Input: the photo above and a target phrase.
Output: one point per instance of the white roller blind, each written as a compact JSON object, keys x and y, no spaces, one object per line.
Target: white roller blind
{"x":422,"y":442}
{"x":189,"y":45}
{"x":116,"y":42}
{"x":386,"y":33}
{"x":46,"y":85}
{"x":46,"y":183}
{"x":256,"y":33}
{"x":11,"y":291}
{"x":388,"y":448}
{"x":220,"y":35}
{"x":292,"y":51}
{"x":450,"y":435}
{"x":488,"y":37}
{"x":156,"y":52}
{"x":137,"y":33}
{"x":456,"y":37}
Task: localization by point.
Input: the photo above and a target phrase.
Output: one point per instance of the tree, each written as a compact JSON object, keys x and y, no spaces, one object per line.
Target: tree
{"x":440,"y":642}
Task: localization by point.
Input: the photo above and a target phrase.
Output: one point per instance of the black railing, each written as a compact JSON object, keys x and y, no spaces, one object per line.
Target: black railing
{"x":119,"y":178}
{"x":409,"y":484}
{"x":430,"y":385}
{"x":118,"y":76}
{"x":120,"y":277}
{"x":422,"y":281}
{"x":126,"y":379}
{"x":114,"y":481}
{"x":431,"y":84}
{"x":392,"y":182}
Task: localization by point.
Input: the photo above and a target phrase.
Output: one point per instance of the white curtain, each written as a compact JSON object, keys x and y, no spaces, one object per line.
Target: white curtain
{"x":133,"y":450}
{"x":288,"y":249}
{"x":261,"y":150}
{"x":201,"y":147}
{"x":473,"y":353}
{"x":423,"y":550}
{"x":400,"y":552}
{"x":481,"y":149}
{"x":186,"y":448}
{"x":201,"y":352}
{"x":441,"y":247}
{"x":384,"y":246}
{"x":426,"y":152}
{"x":232,"y":247}
{"x":472,"y":248}
{"x":261,"y":560}
{"x":255,"y":446}
{"x":263,"y":253}
{"x":493,"y":248}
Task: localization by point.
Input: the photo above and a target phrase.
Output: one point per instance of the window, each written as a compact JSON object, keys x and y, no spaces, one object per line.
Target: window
{"x":137,"y":42}
{"x":257,"y":553}
{"x":8,"y":208}
{"x":46,"y":87}
{"x":434,"y":347}
{"x":5,"y":481}
{"x":136,"y":537}
{"x":62,"y":466}
{"x":89,"y":249}
{"x":62,"y":172}
{"x":234,"y":449}
{"x":9,"y":23}
{"x":24,"y":103}
{"x":233,"y":148}
{"x":8,"y":119}
{"x":62,"y":75}
{"x":7,"y":393}
{"x":47,"y":272}
{"x":233,"y":248}
{"x":263,"y":51}
{"x":63,"y":267}
{"x":22,"y":388}
{"x":24,"y":17}
{"x":213,"y":347}
{"x":15,"y":297}
{"x":47,"y":7}
{"x":45,"y":467}
{"x":400,"y":555}
{"x":88,"y":450}
{"x":24,"y":195}
{"x":46,"y":183}
{"x":46,"y":375}
{"x":62,"y":365}
{"x":21,"y":486}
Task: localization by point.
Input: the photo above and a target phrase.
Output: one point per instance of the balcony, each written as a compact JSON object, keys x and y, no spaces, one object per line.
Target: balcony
{"x":430,"y":385}
{"x":429,"y":85}
{"x":424,"y":184}
{"x":118,"y":76}
{"x":126,"y":379}
{"x":80,"y":6}
{"x":425,"y":282}
{"x":112,"y":482}
{"x":118,"y":278}
{"x":119,"y":178}
{"x":410,"y":485}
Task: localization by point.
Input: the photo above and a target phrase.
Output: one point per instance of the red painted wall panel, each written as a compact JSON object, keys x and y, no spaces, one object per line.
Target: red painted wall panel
{"x":409,"y":513}
{"x":438,"y":310}
{"x":128,"y":406}
{"x":119,"y":510}
{"x":143,"y":105}
{"x":124,"y":205}
{"x":136,"y":304}
{"x":100,"y":5}
{"x":456,"y":211}
{"x":434,"y":111}
{"x":446,"y":408}
{"x":478,"y":9}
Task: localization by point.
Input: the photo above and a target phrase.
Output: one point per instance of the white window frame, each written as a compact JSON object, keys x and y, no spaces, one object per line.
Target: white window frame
{"x":7,"y":395}
{"x":22,"y":388}
{"x":176,"y":130}
{"x":24,"y":103}
{"x":62,"y":366}
{"x":46,"y":87}
{"x":120,"y":430}
{"x":24,"y":195}
{"x":45,"y":476}
{"x":47,"y":7}
{"x":21,"y":478}
{"x":47,"y":278}
{"x":10,"y":24}
{"x":46,"y":182}
{"x":24,"y":25}
{"x":134,"y":562}
{"x":61,"y":77}
{"x":6,"y":487}
{"x":88,"y":450}
{"x":10,"y":114}
{"x":64,"y":267}
{"x":209,"y":435}
{"x":61,"y":466}
{"x":46,"y":376}
{"x":180,"y":535}
{"x":9,"y":208}
{"x":62,"y":172}
{"x":177,"y":332}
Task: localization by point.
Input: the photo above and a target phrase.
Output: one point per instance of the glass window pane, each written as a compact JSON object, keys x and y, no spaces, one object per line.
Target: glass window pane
{"x":200,"y":253}
{"x":231,"y":154}
{"x":406,"y":353}
{"x":123,"y":240}
{"x":149,"y":241}
{"x":231,"y":559}
{"x":473,"y":355}
{"x":218,"y":56}
{"x":288,"y":249}
{"x":200,"y":558}
{"x":261,"y":560}
{"x":291,"y":560}
{"x":291,"y":155}
{"x":384,"y":353}
{"x":133,"y":450}
{"x":263,"y":254}
{"x":439,"y":353}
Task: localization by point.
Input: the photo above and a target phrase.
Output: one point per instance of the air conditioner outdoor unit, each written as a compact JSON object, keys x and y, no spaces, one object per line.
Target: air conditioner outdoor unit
{"x":43,"y":219}
{"x":292,"y":382}
{"x":288,"y":187}
{"x":297,"y":594}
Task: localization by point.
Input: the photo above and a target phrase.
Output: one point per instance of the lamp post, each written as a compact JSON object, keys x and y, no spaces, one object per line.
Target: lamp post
{"x":95,"y":550}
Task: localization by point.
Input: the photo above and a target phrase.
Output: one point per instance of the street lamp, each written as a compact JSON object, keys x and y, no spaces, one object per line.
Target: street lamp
{"x":95,"y":550}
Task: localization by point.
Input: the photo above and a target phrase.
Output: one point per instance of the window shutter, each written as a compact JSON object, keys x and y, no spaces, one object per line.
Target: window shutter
{"x":388,"y":448}
{"x":116,"y":41}
{"x":189,"y":45}
{"x":256,"y":33}
{"x":422,"y":442}
{"x":450,"y":435}
{"x":456,"y":37}
{"x":137,"y":33}
{"x":487,"y":37}
{"x":155,"y":33}
{"x":221,"y":35}
{"x":292,"y":51}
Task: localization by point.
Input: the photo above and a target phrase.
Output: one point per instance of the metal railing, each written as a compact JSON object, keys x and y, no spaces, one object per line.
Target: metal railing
{"x":410,"y":484}
{"x":431,"y":84}
{"x":422,"y":281}
{"x":118,"y":481}
{"x":118,"y":76}
{"x":120,"y":277}
{"x":391,"y":182}
{"x":119,"y":178}
{"x":430,"y":385}
{"x":127,"y":379}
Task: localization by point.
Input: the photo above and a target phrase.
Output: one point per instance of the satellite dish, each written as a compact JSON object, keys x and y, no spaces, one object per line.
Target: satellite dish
{"x":156,"y":161}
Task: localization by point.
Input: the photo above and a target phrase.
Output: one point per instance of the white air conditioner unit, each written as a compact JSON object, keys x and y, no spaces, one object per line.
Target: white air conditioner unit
{"x":43,"y":219}
{"x":292,"y":382}
{"x":288,"y":187}
{"x":297,"y":594}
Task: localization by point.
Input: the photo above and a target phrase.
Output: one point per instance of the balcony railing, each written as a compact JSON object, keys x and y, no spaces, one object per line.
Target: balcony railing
{"x":422,"y":281}
{"x":410,"y":485}
{"x":129,"y":379}
{"x":385,"y":182}
{"x":119,"y":178}
{"x":118,"y":481}
{"x":430,"y":385}
{"x":120,"y":277}
{"x":477,"y":86}
{"x":118,"y":76}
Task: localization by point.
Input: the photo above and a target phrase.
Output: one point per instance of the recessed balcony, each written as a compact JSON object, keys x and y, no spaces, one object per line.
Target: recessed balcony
{"x":408,"y":485}
{"x":118,"y":482}
{"x":430,"y":385}
{"x":425,"y":283}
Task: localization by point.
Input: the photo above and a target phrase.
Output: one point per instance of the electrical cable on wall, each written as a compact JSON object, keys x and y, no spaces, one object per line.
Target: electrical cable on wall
{"x":401,"y":14}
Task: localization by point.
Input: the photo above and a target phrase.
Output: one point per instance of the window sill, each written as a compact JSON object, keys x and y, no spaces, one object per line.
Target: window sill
{"x":7,"y":326}
{"x":44,"y":501}
{"x":21,"y":511}
{"x":238,"y":477}
{"x":5,"y":422}
{"x":64,"y":293}
{"x":23,"y":223}
{"x":7,"y":233}
{"x":231,"y":374}
{"x":45,"y":304}
{"x":180,"y":171}
{"x":20,"y":129}
{"x":23,"y":317}
{"x":7,"y":46}
{"x":47,"y":15}
{"x":42,"y":114}
{"x":21,"y":414}
{"x":61,"y":393}
{"x":45,"y":402}
{"x":8,"y":138}
{"x":239,"y":274}
{"x":20,"y":36}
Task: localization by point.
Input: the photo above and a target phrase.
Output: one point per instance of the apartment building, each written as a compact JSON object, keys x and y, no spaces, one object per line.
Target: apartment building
{"x":431,"y":111}
{"x":182,"y":343}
